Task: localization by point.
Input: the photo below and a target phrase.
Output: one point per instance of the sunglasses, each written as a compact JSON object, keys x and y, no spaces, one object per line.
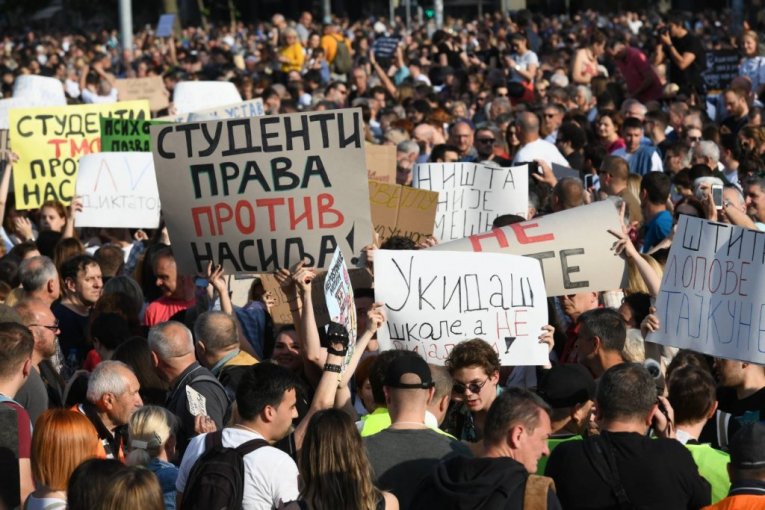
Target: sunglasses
{"x":460,"y":388}
{"x":486,"y":140}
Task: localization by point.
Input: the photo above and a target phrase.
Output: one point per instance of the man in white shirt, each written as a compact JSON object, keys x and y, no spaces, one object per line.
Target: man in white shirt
{"x":532,"y":146}
{"x":265,"y":399}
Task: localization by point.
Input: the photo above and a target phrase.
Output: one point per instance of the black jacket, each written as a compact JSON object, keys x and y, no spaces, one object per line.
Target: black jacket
{"x":471,"y":484}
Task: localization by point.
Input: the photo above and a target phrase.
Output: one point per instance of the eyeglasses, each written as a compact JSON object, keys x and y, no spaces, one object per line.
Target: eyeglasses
{"x":460,"y":388}
{"x":53,"y":327}
{"x":485,"y":140}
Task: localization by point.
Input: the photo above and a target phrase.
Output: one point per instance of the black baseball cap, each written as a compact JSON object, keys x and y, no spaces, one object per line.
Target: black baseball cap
{"x":408,"y":365}
{"x":566,"y":386}
{"x":747,"y":447}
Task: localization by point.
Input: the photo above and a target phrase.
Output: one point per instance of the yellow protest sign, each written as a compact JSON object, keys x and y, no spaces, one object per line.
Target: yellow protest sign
{"x":50,"y":141}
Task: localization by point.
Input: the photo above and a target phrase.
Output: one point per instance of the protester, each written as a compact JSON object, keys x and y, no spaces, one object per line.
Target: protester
{"x":745,"y":468}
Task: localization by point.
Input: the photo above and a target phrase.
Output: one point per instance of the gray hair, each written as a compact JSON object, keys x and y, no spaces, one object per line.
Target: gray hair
{"x":36,"y":272}
{"x":631,"y":102}
{"x":408,"y":147}
{"x":167,"y":346}
{"x":108,"y":377}
{"x":217,"y":330}
{"x":586,"y":91}
{"x":709,"y":150}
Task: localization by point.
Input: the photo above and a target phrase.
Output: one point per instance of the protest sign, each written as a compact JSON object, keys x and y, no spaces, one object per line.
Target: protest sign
{"x":402,"y":211}
{"x":251,"y":108}
{"x":165,"y":25}
{"x":50,"y":141}
{"x":571,"y":262}
{"x":280,"y":312}
{"x":118,"y":189}
{"x":189,"y":96}
{"x":5,"y":109}
{"x":126,"y":135}
{"x":256,"y":194}
{"x":722,"y":67}
{"x":151,"y":88}
{"x":471,"y":195}
{"x":381,"y":163}
{"x":39,"y":90}
{"x":338,"y":295}
{"x":435,"y":300}
{"x":712,"y":296}
{"x":4,"y":145}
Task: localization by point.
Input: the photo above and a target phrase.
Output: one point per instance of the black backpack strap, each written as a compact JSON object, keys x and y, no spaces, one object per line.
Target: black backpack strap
{"x":214,"y":439}
{"x":601,"y":456}
{"x":250,"y":446}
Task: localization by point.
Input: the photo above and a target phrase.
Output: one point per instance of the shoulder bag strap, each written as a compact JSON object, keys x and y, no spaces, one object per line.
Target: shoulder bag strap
{"x":602,"y":459}
{"x":250,"y":446}
{"x":535,"y":494}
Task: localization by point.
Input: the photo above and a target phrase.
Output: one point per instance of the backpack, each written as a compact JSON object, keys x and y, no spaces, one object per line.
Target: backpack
{"x":216,"y":481}
{"x":342,"y":63}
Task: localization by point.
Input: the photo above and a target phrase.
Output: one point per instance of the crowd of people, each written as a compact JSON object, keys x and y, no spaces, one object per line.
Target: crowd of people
{"x":126,"y":383}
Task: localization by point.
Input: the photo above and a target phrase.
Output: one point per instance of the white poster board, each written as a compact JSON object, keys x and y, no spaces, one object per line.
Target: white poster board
{"x":435,"y":300}
{"x":338,"y":294}
{"x":712,"y":297}
{"x":39,"y":90}
{"x":190,"y":96}
{"x":574,"y":247}
{"x":118,"y":189}
{"x":472,"y":195}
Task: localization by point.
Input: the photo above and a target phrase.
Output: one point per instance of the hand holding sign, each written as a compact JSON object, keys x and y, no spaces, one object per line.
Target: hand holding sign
{"x":375,"y":317}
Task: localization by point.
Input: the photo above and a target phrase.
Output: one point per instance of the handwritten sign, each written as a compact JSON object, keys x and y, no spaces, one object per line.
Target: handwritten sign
{"x":118,"y":189}
{"x":151,"y":88}
{"x":381,"y":163}
{"x":280,"y":312}
{"x":571,"y":262}
{"x":338,"y":294}
{"x":190,"y":96}
{"x":471,"y":195}
{"x":402,"y":211}
{"x":50,"y":142}
{"x":435,"y":300}
{"x":126,"y":135}
{"x":255,"y":194}
{"x":712,"y":296}
{"x":251,"y":108}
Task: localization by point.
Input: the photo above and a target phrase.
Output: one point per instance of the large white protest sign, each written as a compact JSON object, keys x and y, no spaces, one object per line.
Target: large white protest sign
{"x":118,"y":189}
{"x":574,"y":247}
{"x":338,"y":294}
{"x":712,"y":296}
{"x":39,"y":90}
{"x":251,"y":108}
{"x":471,"y":195}
{"x":435,"y":300}
{"x":256,"y":194}
{"x":190,"y":96}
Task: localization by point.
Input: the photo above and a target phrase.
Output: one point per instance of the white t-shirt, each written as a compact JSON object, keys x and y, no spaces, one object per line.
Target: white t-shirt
{"x":270,"y":475}
{"x":540,"y":149}
{"x":523,"y":61}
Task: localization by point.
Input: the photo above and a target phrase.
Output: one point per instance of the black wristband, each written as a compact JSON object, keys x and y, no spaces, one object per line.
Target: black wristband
{"x":329,"y":367}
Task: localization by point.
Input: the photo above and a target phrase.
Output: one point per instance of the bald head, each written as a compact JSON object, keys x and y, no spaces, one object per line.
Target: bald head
{"x":171,"y":340}
{"x":568,"y":193}
{"x":527,"y":127}
{"x":217,"y":331}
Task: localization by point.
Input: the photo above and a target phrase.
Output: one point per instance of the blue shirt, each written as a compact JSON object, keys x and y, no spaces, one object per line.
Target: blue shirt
{"x":166,"y":474}
{"x":656,"y":230}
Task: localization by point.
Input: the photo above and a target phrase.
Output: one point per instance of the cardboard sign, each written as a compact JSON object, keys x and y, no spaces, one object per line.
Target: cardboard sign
{"x":151,"y":88}
{"x":381,"y":163}
{"x":402,"y":211}
{"x":338,"y":295}
{"x":118,"y":189}
{"x":712,"y":297}
{"x":572,"y":261}
{"x":722,"y":67}
{"x":4,"y":145}
{"x":435,"y":300}
{"x":50,"y":142}
{"x":126,"y":135}
{"x":190,"y":96}
{"x":165,"y":25}
{"x":256,"y":194}
{"x":472,"y":195}
{"x":39,"y":90}
{"x":280,"y":312}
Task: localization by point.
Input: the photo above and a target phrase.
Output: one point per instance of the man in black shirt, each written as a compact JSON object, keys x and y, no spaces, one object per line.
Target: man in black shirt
{"x":648,"y":473}
{"x":685,"y":54}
